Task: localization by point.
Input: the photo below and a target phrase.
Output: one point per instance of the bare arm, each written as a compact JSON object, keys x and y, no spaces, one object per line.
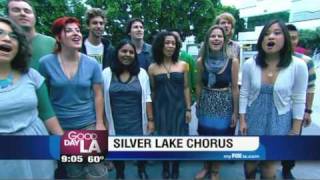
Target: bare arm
{"x":99,"y":106}
{"x":151,"y":127}
{"x":307,"y":116}
{"x":151,"y":79}
{"x":199,"y":84}
{"x":53,"y":126}
{"x":149,"y":109}
{"x":235,"y":91}
{"x":187,"y":96}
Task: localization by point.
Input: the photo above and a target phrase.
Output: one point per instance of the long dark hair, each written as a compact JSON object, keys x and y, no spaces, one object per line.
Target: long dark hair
{"x":285,"y":52}
{"x":117,"y":67}
{"x":158,"y":44}
{"x":21,"y":61}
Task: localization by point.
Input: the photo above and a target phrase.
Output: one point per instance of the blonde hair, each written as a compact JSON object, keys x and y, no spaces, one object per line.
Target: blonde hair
{"x":228,"y":16}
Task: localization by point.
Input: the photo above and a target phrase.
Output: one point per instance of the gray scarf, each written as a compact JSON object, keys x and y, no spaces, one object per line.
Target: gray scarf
{"x":214,"y":64}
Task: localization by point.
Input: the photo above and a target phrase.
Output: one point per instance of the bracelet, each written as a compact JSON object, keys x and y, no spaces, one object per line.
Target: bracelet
{"x":308,"y":111}
{"x":188,"y":110}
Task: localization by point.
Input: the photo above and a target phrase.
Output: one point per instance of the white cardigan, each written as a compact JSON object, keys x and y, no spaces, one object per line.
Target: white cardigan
{"x":289,"y":90}
{"x":146,"y":97}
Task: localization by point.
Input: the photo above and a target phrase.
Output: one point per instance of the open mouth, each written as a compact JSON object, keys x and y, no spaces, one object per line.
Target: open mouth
{"x":76,"y":39}
{"x":5,"y":48}
{"x":271,"y":44}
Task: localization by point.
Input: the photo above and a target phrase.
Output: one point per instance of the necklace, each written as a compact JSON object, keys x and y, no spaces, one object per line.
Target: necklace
{"x":8,"y":81}
{"x":168,"y":70}
{"x":270,"y":74}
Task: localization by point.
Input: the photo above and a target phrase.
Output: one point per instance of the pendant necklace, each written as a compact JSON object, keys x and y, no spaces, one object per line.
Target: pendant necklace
{"x":168,"y":70}
{"x":8,"y":81}
{"x":270,"y":74}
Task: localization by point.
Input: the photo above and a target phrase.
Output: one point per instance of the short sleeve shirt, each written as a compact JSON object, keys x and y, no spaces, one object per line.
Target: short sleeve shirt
{"x":72,"y":99}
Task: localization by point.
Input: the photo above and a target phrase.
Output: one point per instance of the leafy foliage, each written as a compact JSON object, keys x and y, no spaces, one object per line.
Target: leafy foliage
{"x":192,"y":17}
{"x":239,"y":26}
{"x":310,"y":39}
{"x":2,"y":6}
{"x":49,"y":10}
{"x":189,"y":16}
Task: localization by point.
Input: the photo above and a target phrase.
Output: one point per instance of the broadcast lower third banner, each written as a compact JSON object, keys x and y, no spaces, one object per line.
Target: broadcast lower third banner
{"x":95,"y":146}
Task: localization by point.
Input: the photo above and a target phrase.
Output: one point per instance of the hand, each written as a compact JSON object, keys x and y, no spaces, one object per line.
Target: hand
{"x":306,"y":119}
{"x":100,"y":126}
{"x":243,"y":127}
{"x":293,"y":133}
{"x":151,"y":126}
{"x":234,"y":120}
{"x":188,"y":116}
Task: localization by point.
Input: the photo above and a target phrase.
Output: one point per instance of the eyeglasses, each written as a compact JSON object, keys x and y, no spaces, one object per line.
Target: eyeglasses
{"x":12,"y":35}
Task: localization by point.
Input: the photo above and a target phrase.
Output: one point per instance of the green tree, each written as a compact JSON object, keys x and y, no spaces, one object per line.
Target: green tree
{"x":49,"y":10}
{"x":2,"y":7}
{"x":310,"y":39}
{"x":190,"y":16}
{"x":239,"y":26}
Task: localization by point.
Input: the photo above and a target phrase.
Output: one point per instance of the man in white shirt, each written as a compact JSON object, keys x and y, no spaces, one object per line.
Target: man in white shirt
{"x":95,"y":45}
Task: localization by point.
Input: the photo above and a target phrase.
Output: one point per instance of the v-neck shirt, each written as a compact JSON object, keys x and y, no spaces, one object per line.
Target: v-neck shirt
{"x":72,"y":99}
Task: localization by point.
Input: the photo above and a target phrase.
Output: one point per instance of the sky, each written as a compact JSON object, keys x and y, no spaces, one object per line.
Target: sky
{"x":230,"y":2}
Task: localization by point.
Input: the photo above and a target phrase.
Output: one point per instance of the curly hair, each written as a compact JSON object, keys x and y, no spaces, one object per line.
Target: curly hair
{"x":94,"y":12}
{"x":158,"y":45}
{"x":117,"y":67}
{"x":21,"y":61}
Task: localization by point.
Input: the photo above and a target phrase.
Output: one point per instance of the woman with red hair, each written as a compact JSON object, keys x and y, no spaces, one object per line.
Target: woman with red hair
{"x":75,"y":86}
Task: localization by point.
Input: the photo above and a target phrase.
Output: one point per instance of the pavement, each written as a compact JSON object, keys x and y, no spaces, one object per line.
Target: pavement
{"x":234,"y":170}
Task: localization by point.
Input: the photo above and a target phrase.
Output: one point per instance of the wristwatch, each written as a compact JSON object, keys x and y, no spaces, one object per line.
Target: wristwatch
{"x":308,"y":111}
